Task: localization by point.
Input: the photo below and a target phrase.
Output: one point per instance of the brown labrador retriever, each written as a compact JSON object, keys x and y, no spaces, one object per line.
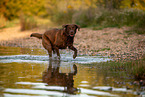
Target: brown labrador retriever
{"x":56,"y":39}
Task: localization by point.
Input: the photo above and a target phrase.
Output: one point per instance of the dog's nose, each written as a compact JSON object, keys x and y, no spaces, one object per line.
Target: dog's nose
{"x":71,"y":32}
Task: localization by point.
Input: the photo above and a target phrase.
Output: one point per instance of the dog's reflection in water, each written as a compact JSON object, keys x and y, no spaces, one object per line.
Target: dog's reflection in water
{"x":60,"y":74}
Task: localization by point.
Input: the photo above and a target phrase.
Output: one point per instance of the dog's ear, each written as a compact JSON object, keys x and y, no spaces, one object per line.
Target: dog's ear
{"x":64,"y":26}
{"x":78,"y":27}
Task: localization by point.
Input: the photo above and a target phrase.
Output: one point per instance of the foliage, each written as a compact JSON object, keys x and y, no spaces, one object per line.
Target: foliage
{"x":11,"y":9}
{"x":5,"y":24}
{"x":27,"y":22}
{"x":85,"y":18}
{"x":140,"y":25}
{"x":102,"y":18}
{"x":137,"y":4}
{"x":120,"y":18}
{"x":63,"y":17}
{"x":86,"y":13}
{"x":110,"y":4}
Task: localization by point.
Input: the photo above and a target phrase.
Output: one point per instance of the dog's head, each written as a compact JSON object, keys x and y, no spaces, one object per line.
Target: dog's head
{"x":70,"y":29}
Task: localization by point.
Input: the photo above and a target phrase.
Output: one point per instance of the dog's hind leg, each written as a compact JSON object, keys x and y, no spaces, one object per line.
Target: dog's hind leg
{"x":47,"y":45}
{"x":53,"y":50}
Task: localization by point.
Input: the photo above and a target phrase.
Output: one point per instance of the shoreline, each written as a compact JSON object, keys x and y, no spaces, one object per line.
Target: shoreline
{"x":113,"y":42}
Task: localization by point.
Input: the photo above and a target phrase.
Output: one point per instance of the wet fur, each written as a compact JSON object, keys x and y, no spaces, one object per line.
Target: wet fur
{"x":55,"y":39}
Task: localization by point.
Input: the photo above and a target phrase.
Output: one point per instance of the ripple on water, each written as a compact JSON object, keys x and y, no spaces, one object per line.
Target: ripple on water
{"x":42,"y":59}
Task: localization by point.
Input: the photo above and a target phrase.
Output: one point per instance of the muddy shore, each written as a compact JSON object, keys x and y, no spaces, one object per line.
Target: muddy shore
{"x":112,"y":42}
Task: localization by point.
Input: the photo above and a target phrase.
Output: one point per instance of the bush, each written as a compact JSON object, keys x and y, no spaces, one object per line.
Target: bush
{"x":102,"y":18}
{"x":63,"y":17}
{"x":139,"y":28}
{"x":118,"y":18}
{"x":27,"y":22}
{"x":85,"y":18}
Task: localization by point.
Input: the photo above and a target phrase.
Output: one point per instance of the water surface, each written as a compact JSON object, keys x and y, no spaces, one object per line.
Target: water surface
{"x":29,"y":73}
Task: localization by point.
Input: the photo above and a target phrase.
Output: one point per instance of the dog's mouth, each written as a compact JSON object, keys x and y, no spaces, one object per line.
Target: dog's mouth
{"x":71,"y":35}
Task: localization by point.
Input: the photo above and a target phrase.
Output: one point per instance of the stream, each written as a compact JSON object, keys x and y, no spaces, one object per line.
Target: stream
{"x":29,"y":73}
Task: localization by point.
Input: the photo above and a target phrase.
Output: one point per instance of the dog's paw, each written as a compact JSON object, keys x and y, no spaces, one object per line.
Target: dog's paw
{"x":74,"y":56}
{"x":58,"y":57}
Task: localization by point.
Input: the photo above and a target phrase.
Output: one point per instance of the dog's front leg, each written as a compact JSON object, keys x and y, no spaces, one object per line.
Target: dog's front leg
{"x":74,"y":49}
{"x":57,"y":51}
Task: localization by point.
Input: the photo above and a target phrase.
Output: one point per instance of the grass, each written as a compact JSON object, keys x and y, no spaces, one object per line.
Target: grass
{"x":98,"y":27}
{"x":135,"y":68}
{"x":103,"y":49}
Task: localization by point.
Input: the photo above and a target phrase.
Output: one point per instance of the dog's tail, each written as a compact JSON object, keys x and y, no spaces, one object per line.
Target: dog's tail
{"x":37,"y":35}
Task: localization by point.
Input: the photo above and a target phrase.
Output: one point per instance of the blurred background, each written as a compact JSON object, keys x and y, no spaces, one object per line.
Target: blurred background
{"x":86,"y":13}
{"x":110,"y":28}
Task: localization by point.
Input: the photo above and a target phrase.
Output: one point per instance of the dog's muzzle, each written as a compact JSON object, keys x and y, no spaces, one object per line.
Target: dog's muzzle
{"x":71,"y":33}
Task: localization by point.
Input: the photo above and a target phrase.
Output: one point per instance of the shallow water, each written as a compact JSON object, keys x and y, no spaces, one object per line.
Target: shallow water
{"x":29,"y":73}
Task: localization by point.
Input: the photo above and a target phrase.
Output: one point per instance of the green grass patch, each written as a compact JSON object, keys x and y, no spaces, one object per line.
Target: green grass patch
{"x":103,"y":49}
{"x":135,"y":68}
{"x":105,"y":33}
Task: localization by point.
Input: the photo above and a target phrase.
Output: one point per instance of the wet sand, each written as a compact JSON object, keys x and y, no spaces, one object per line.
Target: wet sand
{"x":113,"y":42}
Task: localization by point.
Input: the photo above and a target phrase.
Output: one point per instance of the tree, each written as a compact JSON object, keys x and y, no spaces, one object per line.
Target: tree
{"x":2,"y":6}
{"x":109,"y":4}
{"x":138,"y":4}
{"x":13,"y":8}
